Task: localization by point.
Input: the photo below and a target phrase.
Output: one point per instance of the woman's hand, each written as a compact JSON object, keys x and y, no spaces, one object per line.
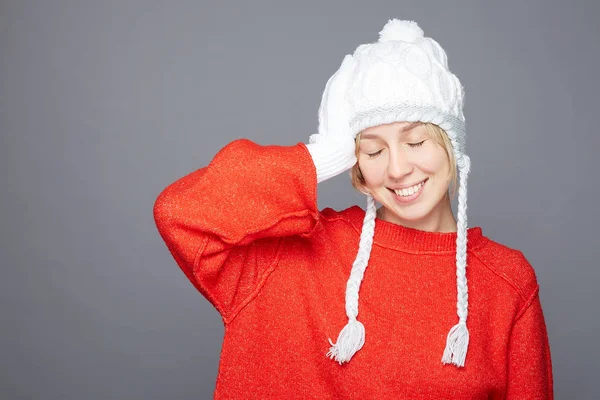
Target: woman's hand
{"x":333,"y":148}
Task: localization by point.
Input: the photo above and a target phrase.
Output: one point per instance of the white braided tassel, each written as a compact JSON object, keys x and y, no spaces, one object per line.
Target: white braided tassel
{"x":457,"y":341}
{"x":352,"y":337}
{"x":350,"y":340}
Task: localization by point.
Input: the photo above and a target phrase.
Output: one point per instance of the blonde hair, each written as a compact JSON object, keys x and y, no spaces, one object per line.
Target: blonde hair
{"x":435,"y":132}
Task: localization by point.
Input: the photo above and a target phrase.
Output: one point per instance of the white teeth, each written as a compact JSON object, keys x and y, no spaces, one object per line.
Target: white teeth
{"x":409,"y":191}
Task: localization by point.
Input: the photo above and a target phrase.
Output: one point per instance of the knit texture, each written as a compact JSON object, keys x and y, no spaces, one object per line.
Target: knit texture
{"x":247,"y":232}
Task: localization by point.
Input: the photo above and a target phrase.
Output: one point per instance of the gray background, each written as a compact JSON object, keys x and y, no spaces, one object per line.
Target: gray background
{"x":104,"y":103}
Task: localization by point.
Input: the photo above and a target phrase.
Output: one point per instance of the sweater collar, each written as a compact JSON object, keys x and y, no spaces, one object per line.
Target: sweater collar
{"x":390,"y":235}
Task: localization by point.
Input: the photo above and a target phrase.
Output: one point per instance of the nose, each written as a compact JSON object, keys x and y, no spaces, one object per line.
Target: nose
{"x":399,"y":165}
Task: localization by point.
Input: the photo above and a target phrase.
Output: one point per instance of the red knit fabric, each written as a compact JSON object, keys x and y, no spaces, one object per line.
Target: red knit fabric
{"x":247,"y":233}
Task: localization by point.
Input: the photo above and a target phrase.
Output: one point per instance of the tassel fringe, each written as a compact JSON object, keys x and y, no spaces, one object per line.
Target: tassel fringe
{"x":350,"y":340}
{"x":457,"y":343}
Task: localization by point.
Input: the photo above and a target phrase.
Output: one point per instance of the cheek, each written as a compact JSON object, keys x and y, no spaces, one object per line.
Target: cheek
{"x":373,"y":172}
{"x":434,"y":162}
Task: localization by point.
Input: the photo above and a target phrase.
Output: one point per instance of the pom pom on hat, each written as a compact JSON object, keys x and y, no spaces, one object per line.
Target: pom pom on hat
{"x":406,"y":31}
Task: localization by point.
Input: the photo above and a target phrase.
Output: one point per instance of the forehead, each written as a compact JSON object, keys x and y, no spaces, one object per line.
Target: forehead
{"x":391,"y":131}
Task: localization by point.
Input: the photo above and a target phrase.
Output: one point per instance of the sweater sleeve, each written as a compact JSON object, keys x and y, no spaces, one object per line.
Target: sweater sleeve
{"x":224,"y":223}
{"x":529,"y":363}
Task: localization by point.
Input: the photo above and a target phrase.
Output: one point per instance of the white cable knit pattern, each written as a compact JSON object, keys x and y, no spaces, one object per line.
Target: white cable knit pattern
{"x":352,"y":337}
{"x":404,"y":68}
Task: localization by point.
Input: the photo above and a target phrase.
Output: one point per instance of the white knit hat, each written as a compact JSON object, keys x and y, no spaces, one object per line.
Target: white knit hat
{"x":404,"y":76}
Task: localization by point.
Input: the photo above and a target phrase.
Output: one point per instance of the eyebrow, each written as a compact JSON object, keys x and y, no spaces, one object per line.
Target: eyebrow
{"x":405,"y":129}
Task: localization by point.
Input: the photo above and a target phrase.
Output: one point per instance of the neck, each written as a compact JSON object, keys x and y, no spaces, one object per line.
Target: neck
{"x":440,"y":219}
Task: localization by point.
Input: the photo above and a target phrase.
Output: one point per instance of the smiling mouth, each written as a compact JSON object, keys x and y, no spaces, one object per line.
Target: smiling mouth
{"x":409,"y":191}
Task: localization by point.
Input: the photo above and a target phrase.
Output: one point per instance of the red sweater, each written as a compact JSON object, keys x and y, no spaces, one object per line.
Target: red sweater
{"x":247,"y":233}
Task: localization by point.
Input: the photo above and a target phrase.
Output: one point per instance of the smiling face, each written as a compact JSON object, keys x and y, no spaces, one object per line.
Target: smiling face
{"x":408,"y":171}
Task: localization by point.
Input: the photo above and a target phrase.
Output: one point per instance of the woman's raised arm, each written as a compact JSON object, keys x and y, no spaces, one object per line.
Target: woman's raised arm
{"x":233,"y":213}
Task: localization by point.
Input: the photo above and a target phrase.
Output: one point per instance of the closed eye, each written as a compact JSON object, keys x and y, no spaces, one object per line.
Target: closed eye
{"x":416,"y":144}
{"x":373,"y":155}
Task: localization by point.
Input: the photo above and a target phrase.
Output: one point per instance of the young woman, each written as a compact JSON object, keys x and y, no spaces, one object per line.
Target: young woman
{"x":436,"y":318}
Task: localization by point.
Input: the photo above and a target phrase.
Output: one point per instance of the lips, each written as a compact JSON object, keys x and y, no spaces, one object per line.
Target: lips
{"x":409,"y":186}
{"x":409,"y":197}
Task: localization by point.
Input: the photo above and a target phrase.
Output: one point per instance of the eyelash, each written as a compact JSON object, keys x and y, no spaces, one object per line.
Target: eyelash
{"x":373,"y":155}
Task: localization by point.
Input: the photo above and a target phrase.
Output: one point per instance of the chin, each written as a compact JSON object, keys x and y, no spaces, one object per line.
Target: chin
{"x":411,"y":217}
{"x":407,"y":214}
